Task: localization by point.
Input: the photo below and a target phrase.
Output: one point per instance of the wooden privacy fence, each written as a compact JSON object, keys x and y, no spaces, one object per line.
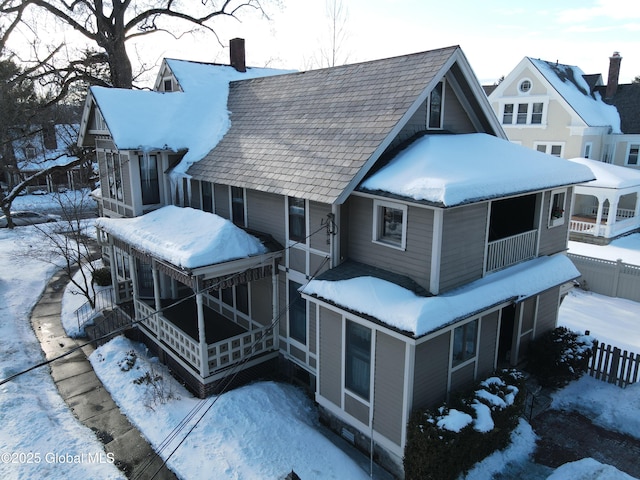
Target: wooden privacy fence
{"x":612,"y":365}
{"x":614,"y":279}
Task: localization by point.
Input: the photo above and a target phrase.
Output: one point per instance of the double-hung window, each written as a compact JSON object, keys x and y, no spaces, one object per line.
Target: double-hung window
{"x":237,"y":206}
{"x":557,"y":208}
{"x":207,"y":197}
{"x":507,"y":115}
{"x":297,"y":314}
{"x":390,"y":224}
{"x":149,"y":183}
{"x":297,"y":220}
{"x":358,"y":359}
{"x":435,"y":110}
{"x":536,"y":114}
{"x":632,"y":157}
{"x":523,"y":108}
{"x":465,"y":340}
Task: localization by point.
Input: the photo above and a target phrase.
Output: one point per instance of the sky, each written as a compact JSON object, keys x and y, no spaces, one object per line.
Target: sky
{"x":494,"y":35}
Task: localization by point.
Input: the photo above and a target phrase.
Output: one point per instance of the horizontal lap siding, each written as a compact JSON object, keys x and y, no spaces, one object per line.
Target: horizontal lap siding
{"x":221,"y":200}
{"x":414,"y":262}
{"x":431,"y":371}
{"x":455,"y":118}
{"x":488,"y":346}
{"x":547,"y":311}
{"x":261,"y":300}
{"x":282,"y":300}
{"x":330,"y":385}
{"x":356,"y":408}
{"x":463,"y":378}
{"x":463,"y":242}
{"x":265,"y":213}
{"x":553,"y":240}
{"x":389,"y":386}
{"x":311,"y":308}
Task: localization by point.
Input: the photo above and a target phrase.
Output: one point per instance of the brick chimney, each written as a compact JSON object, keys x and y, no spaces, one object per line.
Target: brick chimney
{"x":614,"y":74}
{"x":236,"y":52}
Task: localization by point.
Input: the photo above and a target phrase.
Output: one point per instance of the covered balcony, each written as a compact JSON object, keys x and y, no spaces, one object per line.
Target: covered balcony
{"x":513,"y":236}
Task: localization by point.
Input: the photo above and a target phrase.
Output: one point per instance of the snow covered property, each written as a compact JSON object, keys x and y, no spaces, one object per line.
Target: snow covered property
{"x":365,"y":230}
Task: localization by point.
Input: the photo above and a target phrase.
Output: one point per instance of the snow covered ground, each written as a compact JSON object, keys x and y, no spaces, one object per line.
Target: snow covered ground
{"x":276,"y":418}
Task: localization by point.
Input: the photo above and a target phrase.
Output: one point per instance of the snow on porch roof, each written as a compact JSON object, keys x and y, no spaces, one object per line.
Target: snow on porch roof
{"x":402,"y":309}
{"x":185,"y":237}
{"x":451,"y":170}
{"x":609,"y":175}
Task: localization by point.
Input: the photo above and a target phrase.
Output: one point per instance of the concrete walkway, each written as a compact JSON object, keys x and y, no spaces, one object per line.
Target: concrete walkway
{"x":87,"y":398}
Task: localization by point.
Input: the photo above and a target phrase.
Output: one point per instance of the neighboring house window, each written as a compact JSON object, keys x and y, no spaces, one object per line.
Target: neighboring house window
{"x":557,"y":209}
{"x":30,"y":152}
{"x":237,"y":206}
{"x":390,"y":224}
{"x":522,"y":113}
{"x":507,"y":116}
{"x":536,"y":114}
{"x":358,"y":359}
{"x":525,"y":86}
{"x":435,"y":110}
{"x":149,"y":183}
{"x":122,"y":264}
{"x":632,"y":157}
{"x":297,"y":314}
{"x":207,"y":197}
{"x":587,"y":150}
{"x":465,"y":340}
{"x":114,"y":176}
{"x":606,"y":153}
{"x":297,"y":220}
{"x":550,"y":148}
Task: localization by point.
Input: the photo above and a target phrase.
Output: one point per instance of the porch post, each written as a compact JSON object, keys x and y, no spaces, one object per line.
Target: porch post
{"x":274,"y":301}
{"x":156,"y":293}
{"x":613,"y":211}
{"x":636,"y":213}
{"x":599,"y":215}
{"x":204,"y":351}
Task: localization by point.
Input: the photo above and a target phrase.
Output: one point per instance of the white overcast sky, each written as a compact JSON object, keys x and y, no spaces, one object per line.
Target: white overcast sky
{"x":494,"y":34}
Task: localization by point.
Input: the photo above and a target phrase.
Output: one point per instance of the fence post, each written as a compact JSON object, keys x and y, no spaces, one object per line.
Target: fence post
{"x":616,"y":278}
{"x":615,"y":363}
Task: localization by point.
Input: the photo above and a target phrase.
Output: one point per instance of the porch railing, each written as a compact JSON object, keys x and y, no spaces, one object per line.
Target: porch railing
{"x":620,"y":212}
{"x":103,"y":300}
{"x":226,"y":352}
{"x":508,"y":251}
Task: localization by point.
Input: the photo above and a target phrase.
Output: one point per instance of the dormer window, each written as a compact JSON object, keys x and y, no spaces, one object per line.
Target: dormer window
{"x":168,"y":85}
{"x":434,"y":109}
{"x":30,"y":152}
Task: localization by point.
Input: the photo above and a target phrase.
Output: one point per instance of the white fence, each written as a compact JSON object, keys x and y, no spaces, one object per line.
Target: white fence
{"x":615,"y":279}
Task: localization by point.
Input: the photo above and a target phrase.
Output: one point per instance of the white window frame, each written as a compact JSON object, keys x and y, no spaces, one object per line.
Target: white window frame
{"x":521,"y":83}
{"x":588,"y":149}
{"x":378,"y":223}
{"x":461,"y":363}
{"x":631,"y":146}
{"x":530,"y":101}
{"x":557,"y":221}
{"x":548,"y":146}
{"x":441,"y":119}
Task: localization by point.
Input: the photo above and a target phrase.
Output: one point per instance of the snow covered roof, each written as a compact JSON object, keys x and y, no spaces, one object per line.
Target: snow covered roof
{"x":185,"y":237}
{"x":193,"y":120}
{"x":608,"y":175}
{"x":449,"y":170}
{"x":403,"y":310}
{"x":568,"y":81}
{"x":65,"y":136}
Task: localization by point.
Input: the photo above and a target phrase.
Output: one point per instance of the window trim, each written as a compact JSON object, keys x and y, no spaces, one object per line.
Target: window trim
{"x":521,"y":84}
{"x":440,"y":122}
{"x":350,"y":387}
{"x":244,"y":206}
{"x":588,"y":150}
{"x":554,"y":221}
{"x":511,"y":119}
{"x":378,"y":205}
{"x":290,"y":302}
{"x":549,"y":146}
{"x":299,"y":240}
{"x":455,"y":363}
{"x":632,"y":146}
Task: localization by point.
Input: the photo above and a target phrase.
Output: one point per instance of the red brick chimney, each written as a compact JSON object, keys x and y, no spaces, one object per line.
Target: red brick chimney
{"x":236,"y":52}
{"x":614,"y":74}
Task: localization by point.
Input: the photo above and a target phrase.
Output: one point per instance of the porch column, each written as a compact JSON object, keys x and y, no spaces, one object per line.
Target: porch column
{"x":599,"y":215}
{"x":275,"y":311}
{"x":204,"y":351}
{"x":613,"y":211}
{"x":156,"y":293}
{"x":637,"y":209}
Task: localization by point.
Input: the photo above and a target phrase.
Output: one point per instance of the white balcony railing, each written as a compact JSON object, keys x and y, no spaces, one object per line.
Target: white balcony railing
{"x":508,"y":251}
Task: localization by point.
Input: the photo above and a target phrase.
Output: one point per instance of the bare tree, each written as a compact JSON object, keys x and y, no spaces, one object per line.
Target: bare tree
{"x":68,"y":241}
{"x":108,"y":26}
{"x":331,"y":52}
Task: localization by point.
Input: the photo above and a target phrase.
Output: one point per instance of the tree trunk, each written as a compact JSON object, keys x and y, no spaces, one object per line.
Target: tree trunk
{"x":120,"y":65}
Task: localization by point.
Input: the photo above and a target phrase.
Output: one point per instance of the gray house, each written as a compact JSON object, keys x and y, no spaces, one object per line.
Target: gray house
{"x":392,"y":246}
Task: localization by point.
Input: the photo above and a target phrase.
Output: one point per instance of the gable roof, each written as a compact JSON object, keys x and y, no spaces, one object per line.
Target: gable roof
{"x":315,"y":134}
{"x":192,"y":120}
{"x":609,"y":175}
{"x":450,"y":170}
{"x":627,"y":100}
{"x":570,"y":83}
{"x":46,"y":156}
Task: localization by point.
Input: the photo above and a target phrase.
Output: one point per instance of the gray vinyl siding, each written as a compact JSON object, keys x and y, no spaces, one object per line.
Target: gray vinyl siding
{"x":318,"y":264}
{"x":127,"y":188}
{"x":463,"y":245}
{"x":389,"y":386}
{"x":554,"y":239}
{"x":528,"y":314}
{"x":356,"y":408}
{"x":221,"y":200}
{"x":547,"y":311}
{"x":298,"y":260}
{"x":463,"y":377}
{"x":430,"y":371}
{"x":266,"y":213}
{"x":261,"y":299}
{"x":330,"y":355}
{"x":102,"y":165}
{"x":414,"y":262}
{"x":488,"y":345}
{"x":455,"y":117}
{"x":317,"y":216}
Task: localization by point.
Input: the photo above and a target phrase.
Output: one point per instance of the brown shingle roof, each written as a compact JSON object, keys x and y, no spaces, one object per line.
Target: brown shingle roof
{"x":308,"y":134}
